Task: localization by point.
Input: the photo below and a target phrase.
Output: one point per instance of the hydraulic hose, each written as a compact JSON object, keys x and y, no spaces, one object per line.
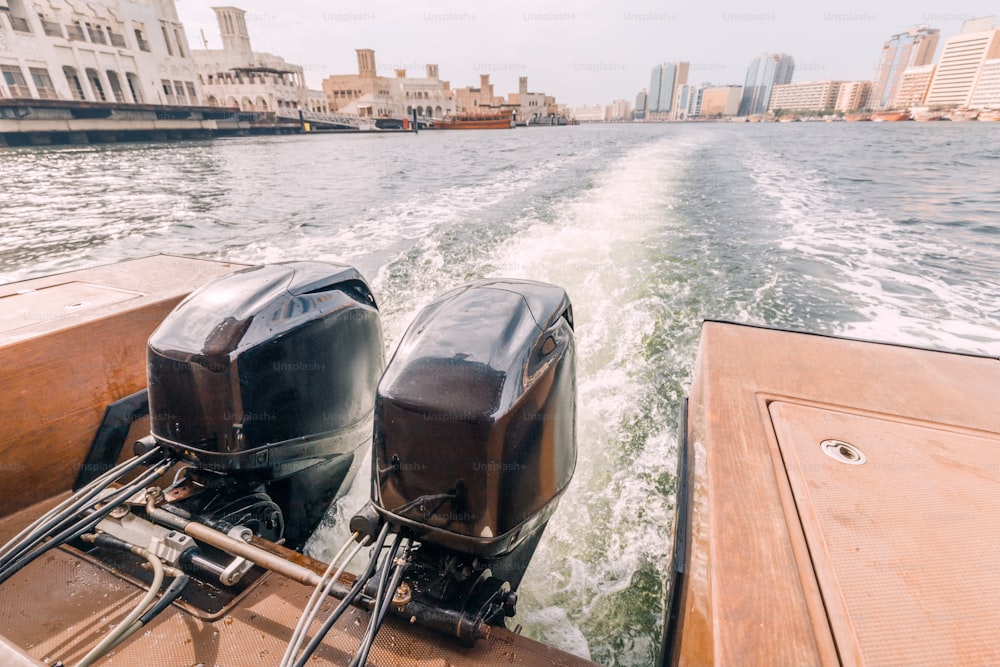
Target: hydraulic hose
{"x":359,"y":585}
{"x":173,"y":592}
{"x":69,"y":507}
{"x":118,"y":633}
{"x":320,"y":593}
{"x":38,"y":546}
{"x":385,"y":587}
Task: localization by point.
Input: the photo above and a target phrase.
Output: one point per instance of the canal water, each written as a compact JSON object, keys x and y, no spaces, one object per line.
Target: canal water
{"x":885,"y":231}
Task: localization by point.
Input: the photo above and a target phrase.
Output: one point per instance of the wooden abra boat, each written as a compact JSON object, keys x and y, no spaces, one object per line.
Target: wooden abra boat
{"x":837,"y":504}
{"x":502,"y":119}
{"x":962,"y":115}
{"x":890,"y":116}
{"x":835,"y":498}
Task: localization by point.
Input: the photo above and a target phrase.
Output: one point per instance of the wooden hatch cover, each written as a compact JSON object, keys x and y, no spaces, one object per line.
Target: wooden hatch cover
{"x":841,"y":506}
{"x":903,"y":529}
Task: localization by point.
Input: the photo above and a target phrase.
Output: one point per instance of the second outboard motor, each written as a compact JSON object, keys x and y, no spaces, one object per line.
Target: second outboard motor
{"x":475,"y":442}
{"x":263,"y":380}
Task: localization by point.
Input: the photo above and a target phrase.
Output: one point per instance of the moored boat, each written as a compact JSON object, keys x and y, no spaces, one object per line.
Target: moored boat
{"x":501,"y":119}
{"x":962,"y":115}
{"x":857,"y":117}
{"x":890,"y":116}
{"x":990,"y":116}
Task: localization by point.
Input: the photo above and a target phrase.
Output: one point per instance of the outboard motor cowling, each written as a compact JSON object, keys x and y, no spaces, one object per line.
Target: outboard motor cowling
{"x":475,"y":421}
{"x":267,"y":370}
{"x":267,"y":377}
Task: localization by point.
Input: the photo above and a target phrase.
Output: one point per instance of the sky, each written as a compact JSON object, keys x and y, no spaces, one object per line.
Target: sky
{"x":582,"y":51}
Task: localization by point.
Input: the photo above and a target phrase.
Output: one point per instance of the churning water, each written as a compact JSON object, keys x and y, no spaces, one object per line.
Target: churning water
{"x":885,"y":231}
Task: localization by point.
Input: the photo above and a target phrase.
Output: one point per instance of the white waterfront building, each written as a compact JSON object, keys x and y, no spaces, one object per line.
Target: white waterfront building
{"x":238,"y":76}
{"x":96,"y":51}
{"x":429,"y":96}
{"x":592,"y":113}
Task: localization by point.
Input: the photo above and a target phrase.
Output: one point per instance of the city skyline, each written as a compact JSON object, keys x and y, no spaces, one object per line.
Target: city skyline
{"x":581,"y":52}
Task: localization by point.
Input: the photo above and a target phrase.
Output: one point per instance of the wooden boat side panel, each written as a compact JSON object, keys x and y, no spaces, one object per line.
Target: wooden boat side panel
{"x":751,"y":587}
{"x":65,"y":366}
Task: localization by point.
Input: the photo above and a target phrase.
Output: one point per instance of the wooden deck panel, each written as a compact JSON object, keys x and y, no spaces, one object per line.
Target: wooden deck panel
{"x":752,"y":593}
{"x":70,"y":345}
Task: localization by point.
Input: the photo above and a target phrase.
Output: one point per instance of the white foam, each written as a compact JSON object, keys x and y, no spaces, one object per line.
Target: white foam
{"x":877,"y":265}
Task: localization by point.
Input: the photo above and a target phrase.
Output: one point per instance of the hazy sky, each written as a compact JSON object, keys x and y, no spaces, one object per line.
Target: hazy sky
{"x":582,"y":51}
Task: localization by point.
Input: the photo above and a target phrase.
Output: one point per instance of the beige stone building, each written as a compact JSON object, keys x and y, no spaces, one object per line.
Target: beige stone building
{"x":805,"y":96}
{"x":529,"y":107}
{"x":363,"y":94}
{"x":470,"y":100}
{"x":238,"y":76}
{"x":853,"y":95}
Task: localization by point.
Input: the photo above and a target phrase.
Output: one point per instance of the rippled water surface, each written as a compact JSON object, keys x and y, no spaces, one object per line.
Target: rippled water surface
{"x":887,"y":231}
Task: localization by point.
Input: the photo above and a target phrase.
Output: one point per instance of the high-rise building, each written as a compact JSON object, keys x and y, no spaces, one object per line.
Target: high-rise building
{"x":640,"y":105}
{"x":618,"y":110}
{"x":961,"y":63}
{"x":987,"y":95}
{"x":805,"y":96}
{"x":663,"y":84}
{"x":853,"y":95}
{"x":687,"y":103}
{"x":913,"y":87}
{"x":765,"y":71}
{"x":913,"y":48}
{"x":721,"y":101}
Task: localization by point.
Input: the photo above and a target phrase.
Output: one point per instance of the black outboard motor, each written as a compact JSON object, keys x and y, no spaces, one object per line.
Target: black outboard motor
{"x":264,"y":381}
{"x":475,"y":441}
